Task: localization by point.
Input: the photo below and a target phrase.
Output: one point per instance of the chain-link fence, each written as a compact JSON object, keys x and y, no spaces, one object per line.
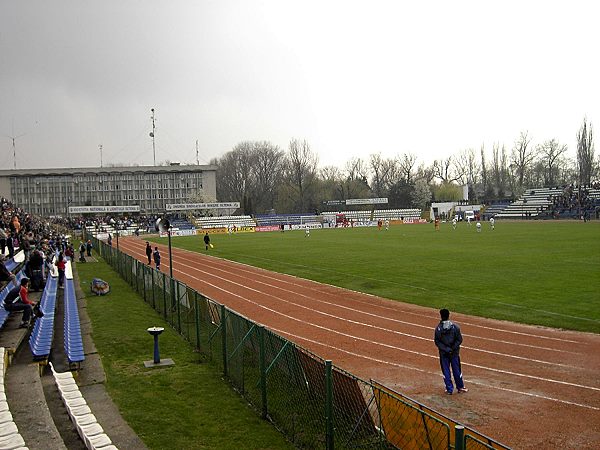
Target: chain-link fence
{"x":315,"y":404}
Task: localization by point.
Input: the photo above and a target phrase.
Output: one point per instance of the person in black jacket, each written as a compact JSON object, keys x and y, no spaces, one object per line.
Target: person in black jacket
{"x":149,"y":252}
{"x":448,"y":339}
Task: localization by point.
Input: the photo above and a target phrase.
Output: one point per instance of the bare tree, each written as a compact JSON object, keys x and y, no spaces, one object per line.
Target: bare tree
{"x":355,"y":184}
{"x":233,"y":173}
{"x":357,"y":169}
{"x":407,"y":167}
{"x":382,"y":171}
{"x":446,"y":170}
{"x":522,"y":157}
{"x":300,"y":174}
{"x":499,"y":170}
{"x":585,"y":153}
{"x":468,"y":167}
{"x":550,"y":152}
{"x":267,"y":161}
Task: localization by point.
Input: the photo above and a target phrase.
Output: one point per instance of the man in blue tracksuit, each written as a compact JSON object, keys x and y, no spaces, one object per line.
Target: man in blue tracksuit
{"x":448,"y":340}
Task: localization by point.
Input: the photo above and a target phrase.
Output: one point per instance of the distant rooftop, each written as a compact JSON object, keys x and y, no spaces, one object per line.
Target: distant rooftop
{"x":99,"y":170}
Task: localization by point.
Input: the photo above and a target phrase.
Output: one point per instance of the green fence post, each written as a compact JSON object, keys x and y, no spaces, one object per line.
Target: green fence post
{"x":459,"y":437}
{"x":178,"y":300}
{"x":197,"y":306}
{"x":224,"y":339}
{"x":262,"y":361}
{"x":164,"y":285}
{"x":328,"y":405}
{"x":153,"y":293}
{"x":135,"y":275}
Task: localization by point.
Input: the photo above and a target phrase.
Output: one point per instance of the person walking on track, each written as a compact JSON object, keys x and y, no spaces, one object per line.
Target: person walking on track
{"x":448,"y":339}
{"x":157,"y":258}
{"x":149,"y":252}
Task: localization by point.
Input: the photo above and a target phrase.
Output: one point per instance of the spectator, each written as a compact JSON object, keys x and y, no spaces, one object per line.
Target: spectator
{"x":157,"y":258}
{"x":88,"y":247}
{"x":3,"y":238}
{"x":60,"y":266}
{"x":5,"y":274}
{"x":16,"y":300}
{"x":81,"y":252}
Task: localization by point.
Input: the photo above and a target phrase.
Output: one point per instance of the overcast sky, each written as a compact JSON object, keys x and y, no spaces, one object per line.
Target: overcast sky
{"x":352,"y":78}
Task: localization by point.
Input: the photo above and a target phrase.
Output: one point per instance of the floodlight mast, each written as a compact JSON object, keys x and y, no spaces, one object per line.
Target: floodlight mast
{"x":152,"y":136}
{"x":13,"y":138}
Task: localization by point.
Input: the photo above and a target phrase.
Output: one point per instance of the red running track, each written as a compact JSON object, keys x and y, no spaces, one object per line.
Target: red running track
{"x":529,"y":387}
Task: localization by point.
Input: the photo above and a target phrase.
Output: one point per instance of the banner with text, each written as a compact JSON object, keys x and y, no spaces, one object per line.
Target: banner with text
{"x":103,"y":209}
{"x":188,"y":206}
{"x":366,"y":201}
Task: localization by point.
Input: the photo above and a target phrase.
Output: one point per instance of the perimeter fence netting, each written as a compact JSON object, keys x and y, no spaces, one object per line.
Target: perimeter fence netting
{"x":314,"y":403}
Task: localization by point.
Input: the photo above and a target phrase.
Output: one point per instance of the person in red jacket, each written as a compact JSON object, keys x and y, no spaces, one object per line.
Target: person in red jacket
{"x":16,"y":300}
{"x":60,"y":266}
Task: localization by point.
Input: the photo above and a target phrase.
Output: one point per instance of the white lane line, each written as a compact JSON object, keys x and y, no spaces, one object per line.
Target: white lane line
{"x":326,"y":269}
{"x":375,"y":327}
{"x":403,"y":366}
{"x":312,"y":310}
{"x":506,"y":372}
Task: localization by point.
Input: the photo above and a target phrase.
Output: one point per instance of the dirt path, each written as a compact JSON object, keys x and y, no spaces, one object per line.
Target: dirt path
{"x":530,"y":387}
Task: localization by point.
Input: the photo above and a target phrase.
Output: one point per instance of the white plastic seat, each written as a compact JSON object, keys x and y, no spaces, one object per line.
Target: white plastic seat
{"x":79,"y":411}
{"x":92,"y":429}
{"x":11,"y":442}
{"x":8,"y":428}
{"x":97,"y":441}
{"x":86,"y":419}
{"x":5,"y":416}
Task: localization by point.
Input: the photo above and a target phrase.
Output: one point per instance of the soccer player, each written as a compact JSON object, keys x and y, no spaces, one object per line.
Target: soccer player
{"x":492,"y":222}
{"x":454,"y":223}
{"x":478,"y":225}
{"x":387,"y":224}
{"x":307,"y":232}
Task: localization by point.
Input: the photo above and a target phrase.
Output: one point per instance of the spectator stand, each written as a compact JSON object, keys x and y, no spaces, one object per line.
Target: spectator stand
{"x":224,"y":222}
{"x":42,"y":335}
{"x":73,"y":340}
{"x":530,"y":205}
{"x":10,"y":438}
{"x":15,"y":261}
{"x":364,"y":216}
{"x":546,"y":203}
{"x":90,"y":431}
{"x":181,"y":224}
{"x":3,"y":293}
{"x":286,"y":219}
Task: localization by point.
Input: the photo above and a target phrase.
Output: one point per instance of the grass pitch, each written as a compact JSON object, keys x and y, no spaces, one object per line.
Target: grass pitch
{"x":544,"y":273}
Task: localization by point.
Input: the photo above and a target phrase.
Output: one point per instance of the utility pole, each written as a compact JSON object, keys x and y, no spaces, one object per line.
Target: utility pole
{"x":100,"y":147}
{"x":197,"y":160}
{"x":152,"y":136}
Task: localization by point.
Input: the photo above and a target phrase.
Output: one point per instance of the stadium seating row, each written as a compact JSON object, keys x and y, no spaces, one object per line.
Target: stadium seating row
{"x":90,"y":431}
{"x":40,"y":341}
{"x":3,"y":293}
{"x":72,"y":327}
{"x":224,"y":221}
{"x":383,"y":214}
{"x":10,"y":438}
